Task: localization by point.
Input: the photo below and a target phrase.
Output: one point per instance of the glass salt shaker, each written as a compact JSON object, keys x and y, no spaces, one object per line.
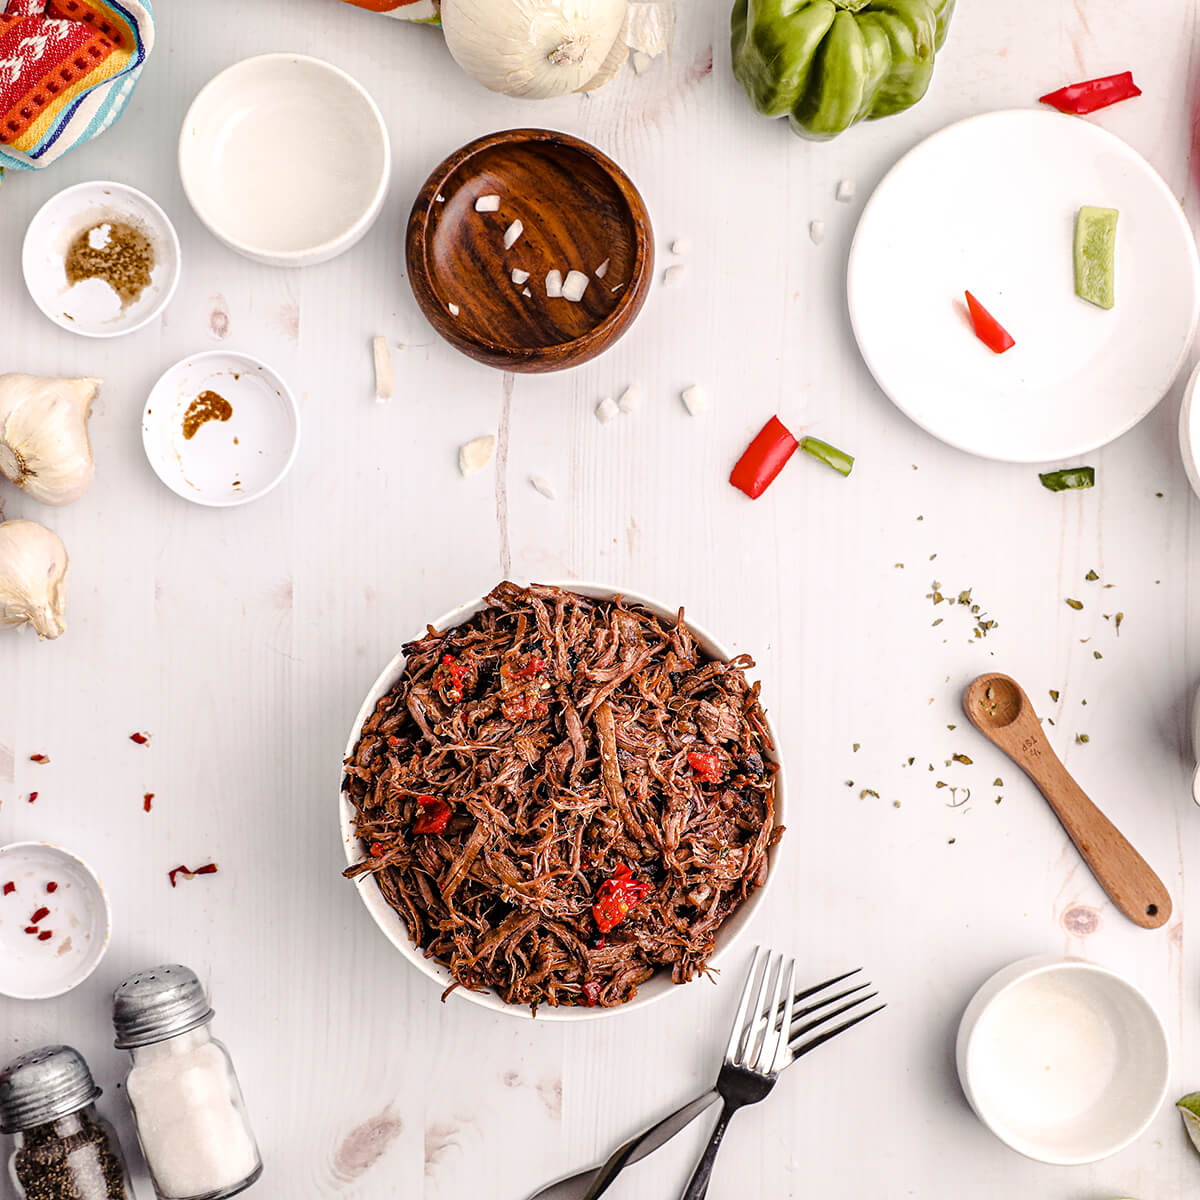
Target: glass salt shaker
{"x":63,"y":1150}
{"x":187,"y":1105}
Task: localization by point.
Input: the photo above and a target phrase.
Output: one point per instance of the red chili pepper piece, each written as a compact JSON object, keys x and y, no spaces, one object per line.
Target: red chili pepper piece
{"x":708,"y":768}
{"x":52,"y":886}
{"x":9,"y":888}
{"x":33,"y":796}
{"x":147,"y":801}
{"x":45,"y":935}
{"x":591,"y":994}
{"x":39,"y":916}
{"x":1079,"y":99}
{"x":178,"y":871}
{"x":615,"y":897}
{"x":435,"y":816}
{"x":207,"y":869}
{"x":377,"y":850}
{"x":39,"y":758}
{"x":987,"y":329}
{"x":31,"y":929}
{"x":140,"y":738}
{"x":535,"y":666}
{"x":450,"y":678}
{"x":764,"y":458}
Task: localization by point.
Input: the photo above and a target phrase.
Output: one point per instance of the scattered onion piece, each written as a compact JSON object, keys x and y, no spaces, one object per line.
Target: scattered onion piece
{"x":695,"y":400}
{"x":543,"y":486}
{"x":816,"y":231}
{"x":385,"y":378}
{"x":554,"y":285}
{"x":630,"y":398}
{"x":681,"y":246}
{"x":674,"y":275}
{"x":602,"y":269}
{"x":519,"y":277}
{"x":606,"y":410}
{"x":846,"y":191}
{"x":513,"y":232}
{"x":454,"y":309}
{"x":476,"y":454}
{"x":489,"y":203}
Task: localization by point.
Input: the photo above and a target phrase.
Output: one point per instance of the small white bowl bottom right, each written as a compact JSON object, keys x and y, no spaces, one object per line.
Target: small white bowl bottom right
{"x":1068,"y":1064}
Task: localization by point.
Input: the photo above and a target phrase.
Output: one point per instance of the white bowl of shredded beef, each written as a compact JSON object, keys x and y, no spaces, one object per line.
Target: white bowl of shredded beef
{"x":562,"y":803}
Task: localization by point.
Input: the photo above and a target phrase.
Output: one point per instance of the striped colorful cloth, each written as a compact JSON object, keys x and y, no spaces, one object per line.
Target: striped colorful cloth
{"x":67,"y":69}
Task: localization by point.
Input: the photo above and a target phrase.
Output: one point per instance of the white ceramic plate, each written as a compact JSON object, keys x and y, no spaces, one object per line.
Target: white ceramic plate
{"x":91,"y":307}
{"x":285,"y":158}
{"x":79,"y":921}
{"x":988,"y":205}
{"x":1063,"y":1060}
{"x":1189,"y":432}
{"x":224,"y":462}
{"x":392,"y":923}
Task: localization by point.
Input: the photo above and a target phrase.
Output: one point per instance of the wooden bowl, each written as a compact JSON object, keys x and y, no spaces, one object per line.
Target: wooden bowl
{"x":578,"y":209}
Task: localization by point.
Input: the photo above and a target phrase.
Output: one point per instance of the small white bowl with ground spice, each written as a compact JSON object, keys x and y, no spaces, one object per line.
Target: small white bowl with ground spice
{"x":55,"y":921}
{"x":101,"y":259}
{"x":221,"y":428}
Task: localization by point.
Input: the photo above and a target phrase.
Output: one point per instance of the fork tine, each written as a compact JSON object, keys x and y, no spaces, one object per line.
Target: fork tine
{"x":822,"y":1038}
{"x":759,"y":1022}
{"x":738,"y":1034}
{"x":812,"y":1008}
{"x":820,"y":987}
{"x":820,"y":1020}
{"x":781,"y":1053}
{"x":768,"y":1045}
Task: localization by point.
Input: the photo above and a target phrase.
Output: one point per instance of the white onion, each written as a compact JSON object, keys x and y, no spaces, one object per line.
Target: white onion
{"x":519,"y":276}
{"x":816,"y":231}
{"x":490,"y":203}
{"x":544,"y":486}
{"x":695,"y":400}
{"x":526,"y":292}
{"x":681,"y":246}
{"x":845,"y":190}
{"x":674,"y":275}
{"x":554,"y":285}
{"x":385,"y":379}
{"x":631,"y":397}
{"x":602,"y":269}
{"x":454,"y":309}
{"x":511,"y":234}
{"x":574,"y":286}
{"x":606,"y":410}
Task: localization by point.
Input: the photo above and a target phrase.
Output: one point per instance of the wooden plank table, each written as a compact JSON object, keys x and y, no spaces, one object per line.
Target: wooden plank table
{"x":244,"y":640}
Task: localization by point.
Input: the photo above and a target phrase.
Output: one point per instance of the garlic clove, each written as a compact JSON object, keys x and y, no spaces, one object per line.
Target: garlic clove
{"x":44,"y":444}
{"x":33,"y":572}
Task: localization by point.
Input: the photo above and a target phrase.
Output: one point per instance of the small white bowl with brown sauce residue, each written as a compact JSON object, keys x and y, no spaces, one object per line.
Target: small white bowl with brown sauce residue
{"x":101,"y":259}
{"x":221,"y":428}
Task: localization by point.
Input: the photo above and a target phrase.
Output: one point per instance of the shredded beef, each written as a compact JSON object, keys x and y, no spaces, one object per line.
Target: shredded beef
{"x":557,"y":728}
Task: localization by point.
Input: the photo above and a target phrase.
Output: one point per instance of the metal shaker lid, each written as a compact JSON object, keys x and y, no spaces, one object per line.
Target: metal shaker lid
{"x":42,"y":1086}
{"x":150,"y":1006}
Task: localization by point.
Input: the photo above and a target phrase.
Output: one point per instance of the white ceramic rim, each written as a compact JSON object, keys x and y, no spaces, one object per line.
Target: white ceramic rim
{"x":392,"y":924}
{"x":1176,"y":208}
{"x":1186,"y":449}
{"x":92,"y":875}
{"x":27,"y":249}
{"x":284,"y":390}
{"x":1004,"y":981}
{"x":323,"y":251}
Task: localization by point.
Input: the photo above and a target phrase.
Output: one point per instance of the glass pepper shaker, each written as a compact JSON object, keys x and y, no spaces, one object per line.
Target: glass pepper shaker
{"x":187,"y":1105}
{"x":63,"y":1150}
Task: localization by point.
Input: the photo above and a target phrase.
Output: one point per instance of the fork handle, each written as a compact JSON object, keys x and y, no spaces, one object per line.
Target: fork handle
{"x":647,"y":1142}
{"x":697,"y":1187}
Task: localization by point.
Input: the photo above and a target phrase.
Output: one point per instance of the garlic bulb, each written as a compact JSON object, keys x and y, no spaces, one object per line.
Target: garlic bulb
{"x":44,"y":446}
{"x":534,"y":48}
{"x":33,"y":572}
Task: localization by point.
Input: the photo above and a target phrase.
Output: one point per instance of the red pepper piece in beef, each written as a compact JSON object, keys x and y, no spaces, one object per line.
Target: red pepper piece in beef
{"x":708,"y":768}
{"x":435,"y":816}
{"x":615,"y":897}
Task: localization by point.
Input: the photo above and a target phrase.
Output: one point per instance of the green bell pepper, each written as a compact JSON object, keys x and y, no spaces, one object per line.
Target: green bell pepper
{"x":825,"y":64}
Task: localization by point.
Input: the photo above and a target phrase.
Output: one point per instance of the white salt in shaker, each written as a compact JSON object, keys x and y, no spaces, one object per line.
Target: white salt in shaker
{"x":187,"y":1106}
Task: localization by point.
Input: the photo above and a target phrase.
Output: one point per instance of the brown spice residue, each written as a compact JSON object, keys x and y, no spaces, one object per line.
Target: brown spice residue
{"x":124,"y":260}
{"x":207,"y":406}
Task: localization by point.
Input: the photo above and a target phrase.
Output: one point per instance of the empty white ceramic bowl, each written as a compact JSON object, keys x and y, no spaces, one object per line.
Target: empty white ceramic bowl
{"x":224,"y":462}
{"x":91,"y":307}
{"x":79,"y":921}
{"x":285,"y":158}
{"x":1063,"y":1060}
{"x":392,"y":923}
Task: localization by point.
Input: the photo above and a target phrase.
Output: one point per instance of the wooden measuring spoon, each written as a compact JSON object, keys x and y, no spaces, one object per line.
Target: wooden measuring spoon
{"x":1000,"y":710}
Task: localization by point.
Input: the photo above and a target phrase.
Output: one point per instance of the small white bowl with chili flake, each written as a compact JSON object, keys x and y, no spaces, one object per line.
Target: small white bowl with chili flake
{"x":660,"y":984}
{"x":55,"y":921}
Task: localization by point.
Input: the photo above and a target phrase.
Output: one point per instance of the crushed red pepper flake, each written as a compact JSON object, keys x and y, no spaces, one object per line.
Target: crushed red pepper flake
{"x":33,"y":796}
{"x":39,"y":916}
{"x":188,"y":873}
{"x":52,"y":886}
{"x":40,"y":759}
{"x":9,"y":888}
{"x":45,"y":935}
{"x":31,"y":929}
{"x":140,"y":738}
{"x":147,"y":801}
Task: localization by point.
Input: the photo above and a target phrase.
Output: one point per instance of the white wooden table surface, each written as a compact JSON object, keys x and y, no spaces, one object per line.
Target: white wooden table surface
{"x":244,"y":640}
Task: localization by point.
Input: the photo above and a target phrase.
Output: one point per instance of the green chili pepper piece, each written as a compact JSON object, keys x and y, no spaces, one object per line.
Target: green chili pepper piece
{"x":1072,"y":477}
{"x":831,"y":456}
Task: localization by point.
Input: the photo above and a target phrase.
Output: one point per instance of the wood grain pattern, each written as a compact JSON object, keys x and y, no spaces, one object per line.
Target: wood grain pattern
{"x":998,"y":707}
{"x":579,"y":211}
{"x":244,"y":641}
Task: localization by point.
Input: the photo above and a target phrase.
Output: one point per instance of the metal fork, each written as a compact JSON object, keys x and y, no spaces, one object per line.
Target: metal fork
{"x":592,"y":1183}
